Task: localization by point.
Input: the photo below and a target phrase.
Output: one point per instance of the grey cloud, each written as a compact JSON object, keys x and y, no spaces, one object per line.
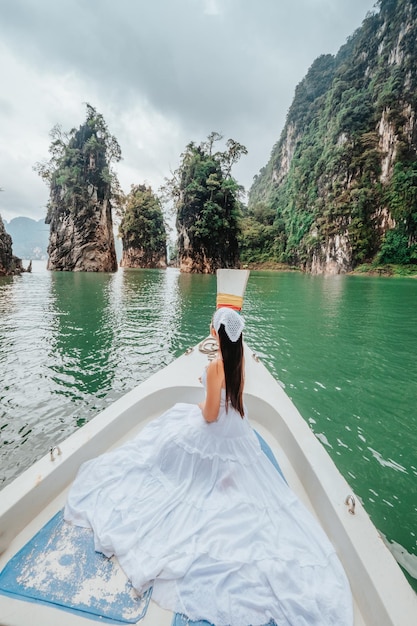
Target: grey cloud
{"x":183,"y":61}
{"x":6,"y":108}
{"x":233,"y":71}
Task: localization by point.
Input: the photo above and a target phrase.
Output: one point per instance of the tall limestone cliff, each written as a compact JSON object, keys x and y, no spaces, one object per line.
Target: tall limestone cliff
{"x":84,"y":241}
{"x":81,"y":189}
{"x":342,"y":179}
{"x":208,"y":208}
{"x":9,"y":264}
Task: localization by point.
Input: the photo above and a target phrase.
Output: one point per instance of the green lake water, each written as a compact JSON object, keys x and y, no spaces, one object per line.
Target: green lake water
{"x":343,"y":347}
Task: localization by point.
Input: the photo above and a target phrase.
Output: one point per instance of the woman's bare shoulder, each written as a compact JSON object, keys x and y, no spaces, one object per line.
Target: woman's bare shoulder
{"x":216,"y":364}
{"x":215,"y":368}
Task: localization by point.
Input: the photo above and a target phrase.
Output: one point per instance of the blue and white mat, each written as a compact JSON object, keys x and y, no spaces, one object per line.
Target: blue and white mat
{"x":60,"y":567}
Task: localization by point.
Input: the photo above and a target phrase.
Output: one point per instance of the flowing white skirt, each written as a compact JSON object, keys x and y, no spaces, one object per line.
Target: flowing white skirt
{"x":198,"y":511}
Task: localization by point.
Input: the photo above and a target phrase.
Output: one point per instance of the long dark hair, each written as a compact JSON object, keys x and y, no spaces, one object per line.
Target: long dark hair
{"x":232,"y":354}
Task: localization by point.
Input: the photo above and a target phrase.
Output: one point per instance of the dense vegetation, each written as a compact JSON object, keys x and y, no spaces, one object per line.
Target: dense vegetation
{"x":79,"y":171}
{"x":344,"y":171}
{"x":142,"y":225}
{"x":341,"y":183}
{"x":207,"y":205}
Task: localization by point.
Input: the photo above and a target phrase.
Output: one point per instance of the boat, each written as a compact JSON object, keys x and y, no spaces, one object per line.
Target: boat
{"x":39,"y":580}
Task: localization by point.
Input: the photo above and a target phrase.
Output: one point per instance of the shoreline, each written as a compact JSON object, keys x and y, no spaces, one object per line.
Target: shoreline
{"x":366,"y":269}
{"x":270,"y":265}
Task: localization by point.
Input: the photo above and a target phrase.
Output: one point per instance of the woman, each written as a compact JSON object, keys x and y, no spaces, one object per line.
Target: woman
{"x":193,"y":507}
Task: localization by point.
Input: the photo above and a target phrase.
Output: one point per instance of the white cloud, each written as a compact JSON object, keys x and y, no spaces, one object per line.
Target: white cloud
{"x":211,"y":7}
{"x":150,"y":142}
{"x":39,"y":102}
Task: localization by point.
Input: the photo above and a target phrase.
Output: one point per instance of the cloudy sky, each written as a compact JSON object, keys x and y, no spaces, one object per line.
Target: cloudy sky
{"x":162,"y":73}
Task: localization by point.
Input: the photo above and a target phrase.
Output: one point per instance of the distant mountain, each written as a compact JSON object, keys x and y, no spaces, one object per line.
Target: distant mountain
{"x":9,"y":264}
{"x":29,"y":238}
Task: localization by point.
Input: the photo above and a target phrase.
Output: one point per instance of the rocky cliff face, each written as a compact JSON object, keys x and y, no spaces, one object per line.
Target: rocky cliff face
{"x":82,"y":242}
{"x":9,"y":264}
{"x":141,"y":258}
{"x":344,"y":173}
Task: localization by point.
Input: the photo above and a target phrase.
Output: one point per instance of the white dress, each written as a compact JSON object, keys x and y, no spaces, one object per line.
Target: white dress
{"x":199,"y":511}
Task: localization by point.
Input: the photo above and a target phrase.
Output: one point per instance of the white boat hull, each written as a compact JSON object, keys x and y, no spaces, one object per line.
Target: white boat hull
{"x":382,"y":595}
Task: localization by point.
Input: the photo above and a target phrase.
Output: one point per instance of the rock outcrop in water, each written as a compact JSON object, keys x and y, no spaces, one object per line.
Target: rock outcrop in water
{"x":9,"y":264}
{"x":82,"y":242}
{"x":136,"y":258}
{"x":341,"y":182}
{"x":142,"y":230}
{"x":206,"y":199}
{"x":81,"y":190}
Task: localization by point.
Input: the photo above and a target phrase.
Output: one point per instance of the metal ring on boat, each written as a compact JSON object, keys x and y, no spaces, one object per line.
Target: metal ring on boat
{"x":351,"y":503}
{"x":52,"y":450}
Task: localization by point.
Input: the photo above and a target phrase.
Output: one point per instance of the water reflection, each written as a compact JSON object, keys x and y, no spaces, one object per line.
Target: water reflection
{"x":83,"y":336}
{"x":198,"y":303}
{"x":26,"y":329}
{"x":6,"y":295}
{"x":144,"y":310}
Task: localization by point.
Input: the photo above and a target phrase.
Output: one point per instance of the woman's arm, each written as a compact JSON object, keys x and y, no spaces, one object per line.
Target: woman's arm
{"x":211,"y":405}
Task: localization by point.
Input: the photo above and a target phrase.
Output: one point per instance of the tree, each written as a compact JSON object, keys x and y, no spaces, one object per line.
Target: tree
{"x":402,"y":198}
{"x":142,"y":229}
{"x":80,"y":165}
{"x":207,"y":205}
{"x":394,"y":248}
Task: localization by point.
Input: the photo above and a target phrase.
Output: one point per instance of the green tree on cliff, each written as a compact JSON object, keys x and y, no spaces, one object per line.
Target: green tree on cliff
{"x":142,"y":225}
{"x":79,"y":169}
{"x":206,"y":199}
{"x":82,"y":187}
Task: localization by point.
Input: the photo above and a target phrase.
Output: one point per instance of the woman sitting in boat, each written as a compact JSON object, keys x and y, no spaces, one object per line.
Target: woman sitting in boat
{"x":194,"y":508}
